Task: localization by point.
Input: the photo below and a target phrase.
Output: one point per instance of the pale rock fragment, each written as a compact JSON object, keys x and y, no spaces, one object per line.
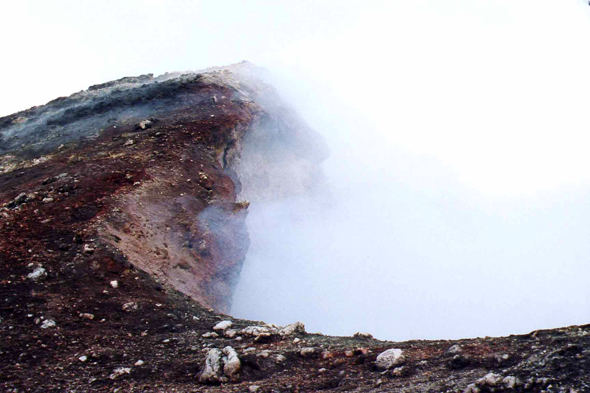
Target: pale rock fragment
{"x":390,"y":358}
{"x":307,"y":352}
{"x":120,"y":371}
{"x":212,"y":368}
{"x":292,"y":328}
{"x":455,"y":349}
{"x":48,"y":323}
{"x":362,"y":335}
{"x":130,"y":306}
{"x":37,"y":274}
{"x":510,"y":382}
{"x":398,"y":371}
{"x":489,"y":379}
{"x":256,"y":330}
{"x":471,"y":388}
{"x":88,"y":249}
{"x":223,"y":325}
{"x":144,"y":124}
{"x":220,"y":364}
{"x":231,"y":362}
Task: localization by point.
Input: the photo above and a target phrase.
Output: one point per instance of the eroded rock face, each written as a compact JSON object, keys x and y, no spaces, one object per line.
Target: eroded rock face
{"x":142,"y":170}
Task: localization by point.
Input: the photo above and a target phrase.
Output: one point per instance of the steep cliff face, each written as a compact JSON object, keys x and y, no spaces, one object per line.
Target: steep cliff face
{"x":122,"y":235}
{"x":143,"y":168}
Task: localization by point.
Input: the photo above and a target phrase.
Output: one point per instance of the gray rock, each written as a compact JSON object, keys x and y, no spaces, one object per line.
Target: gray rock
{"x":220,"y":365}
{"x":308,"y":352}
{"x":231,"y":362}
{"x":490,"y":379}
{"x":120,"y":371}
{"x":130,"y":306}
{"x":455,"y":349}
{"x":292,"y":328}
{"x":37,"y":274}
{"x":88,"y":249}
{"x":212,"y":369}
{"x":144,"y":125}
{"x":510,"y":382}
{"x":390,"y":358}
{"x":258,"y":332}
{"x":48,"y":323}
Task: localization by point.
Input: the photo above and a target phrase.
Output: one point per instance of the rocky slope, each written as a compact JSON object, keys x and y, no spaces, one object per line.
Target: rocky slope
{"x":122,"y":236}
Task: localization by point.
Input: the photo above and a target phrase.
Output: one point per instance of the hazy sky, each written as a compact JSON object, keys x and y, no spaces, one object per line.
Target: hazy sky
{"x":459,"y":137}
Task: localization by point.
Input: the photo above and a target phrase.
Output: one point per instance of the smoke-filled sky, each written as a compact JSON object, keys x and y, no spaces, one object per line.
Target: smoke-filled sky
{"x":457,"y":188}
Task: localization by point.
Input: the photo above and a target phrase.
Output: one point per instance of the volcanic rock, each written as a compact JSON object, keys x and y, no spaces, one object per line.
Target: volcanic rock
{"x":390,"y":358}
{"x":149,"y":239}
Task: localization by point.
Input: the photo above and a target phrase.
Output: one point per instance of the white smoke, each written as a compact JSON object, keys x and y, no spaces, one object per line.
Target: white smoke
{"x":454,"y":199}
{"x":456,"y":190}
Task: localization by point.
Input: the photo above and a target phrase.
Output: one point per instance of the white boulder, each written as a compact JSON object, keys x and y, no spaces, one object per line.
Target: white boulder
{"x":223,"y":325}
{"x":231,"y":362}
{"x":390,"y":358}
{"x":212,"y":368}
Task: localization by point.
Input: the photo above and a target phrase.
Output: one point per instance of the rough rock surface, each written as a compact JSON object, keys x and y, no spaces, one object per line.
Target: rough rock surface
{"x":122,"y":236}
